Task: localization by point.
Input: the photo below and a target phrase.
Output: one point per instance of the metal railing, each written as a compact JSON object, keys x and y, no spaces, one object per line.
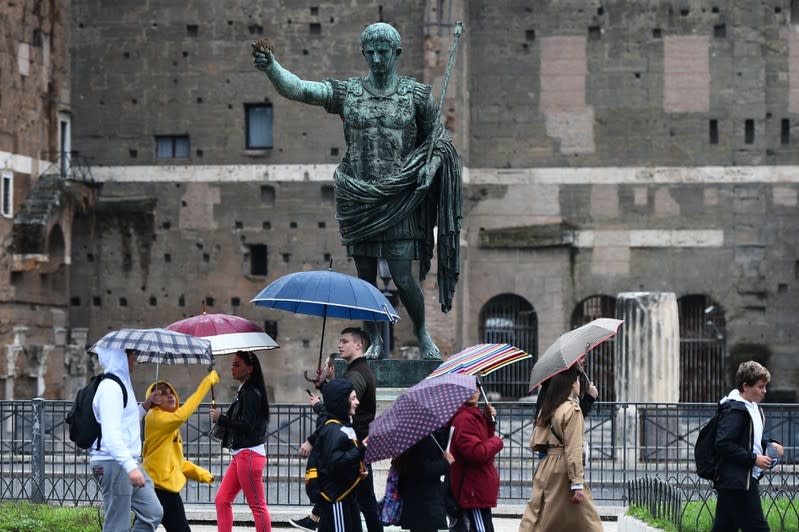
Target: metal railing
{"x":626,"y":441}
{"x":71,"y":166}
{"x":662,"y":500}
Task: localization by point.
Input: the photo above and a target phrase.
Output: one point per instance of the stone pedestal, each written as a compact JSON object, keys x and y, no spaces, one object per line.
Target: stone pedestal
{"x":396,"y":373}
{"x":393,"y":376}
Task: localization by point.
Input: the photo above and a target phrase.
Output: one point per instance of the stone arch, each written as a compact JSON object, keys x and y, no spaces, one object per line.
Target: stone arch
{"x":703,"y":349}
{"x":509,"y":318}
{"x":599,"y":364}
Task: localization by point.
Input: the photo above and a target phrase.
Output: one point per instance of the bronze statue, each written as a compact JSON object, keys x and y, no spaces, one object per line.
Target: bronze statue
{"x":390,"y":189}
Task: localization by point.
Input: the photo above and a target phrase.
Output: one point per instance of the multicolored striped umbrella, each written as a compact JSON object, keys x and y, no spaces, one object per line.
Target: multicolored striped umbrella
{"x":417,"y":412}
{"x":480,"y":359}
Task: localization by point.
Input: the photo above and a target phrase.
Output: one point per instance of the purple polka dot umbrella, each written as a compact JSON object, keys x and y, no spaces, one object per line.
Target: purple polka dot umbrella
{"x":416,"y":413}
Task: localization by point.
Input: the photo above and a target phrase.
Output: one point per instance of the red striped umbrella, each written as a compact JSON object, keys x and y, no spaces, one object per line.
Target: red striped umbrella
{"x":480,"y":359}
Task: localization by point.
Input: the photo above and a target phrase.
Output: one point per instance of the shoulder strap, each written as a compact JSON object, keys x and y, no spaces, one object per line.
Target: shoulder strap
{"x":552,"y":428}
{"x":329,"y":421}
{"x":121,"y":385}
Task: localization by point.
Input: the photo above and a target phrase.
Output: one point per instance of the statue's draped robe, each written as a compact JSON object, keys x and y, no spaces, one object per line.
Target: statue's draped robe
{"x":380,"y":208}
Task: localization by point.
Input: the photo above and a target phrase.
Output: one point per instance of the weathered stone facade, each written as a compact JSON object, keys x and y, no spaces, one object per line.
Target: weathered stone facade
{"x":37,"y":212}
{"x":607,"y":147}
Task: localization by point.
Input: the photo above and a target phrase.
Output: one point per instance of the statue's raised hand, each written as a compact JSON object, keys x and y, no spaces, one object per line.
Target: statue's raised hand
{"x":262,"y":54}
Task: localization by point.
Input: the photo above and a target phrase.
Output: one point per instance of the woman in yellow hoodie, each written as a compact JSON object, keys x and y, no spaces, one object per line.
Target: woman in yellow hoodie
{"x":163,"y":448}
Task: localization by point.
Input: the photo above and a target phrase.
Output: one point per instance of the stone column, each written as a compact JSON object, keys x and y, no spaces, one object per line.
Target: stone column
{"x":12,"y":352}
{"x":647,"y":364}
{"x":647,"y":361}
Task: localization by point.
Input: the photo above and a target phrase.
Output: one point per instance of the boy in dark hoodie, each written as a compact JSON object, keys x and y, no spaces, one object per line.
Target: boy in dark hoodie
{"x":340,"y":460}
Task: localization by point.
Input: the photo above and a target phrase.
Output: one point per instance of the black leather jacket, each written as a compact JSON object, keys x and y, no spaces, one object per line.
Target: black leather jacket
{"x":245,"y":420}
{"x":734,"y":440}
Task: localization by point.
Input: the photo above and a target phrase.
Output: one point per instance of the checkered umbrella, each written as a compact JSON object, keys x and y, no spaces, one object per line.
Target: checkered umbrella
{"x":416,"y":413}
{"x":159,"y":346}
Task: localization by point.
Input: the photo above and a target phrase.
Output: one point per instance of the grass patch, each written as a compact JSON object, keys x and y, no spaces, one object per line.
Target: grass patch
{"x":782,"y":516}
{"x":642,"y":513}
{"x":23,"y":516}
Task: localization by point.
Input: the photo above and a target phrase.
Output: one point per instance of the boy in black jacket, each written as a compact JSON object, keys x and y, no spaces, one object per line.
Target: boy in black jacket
{"x":340,"y":462}
{"x":741,"y":450}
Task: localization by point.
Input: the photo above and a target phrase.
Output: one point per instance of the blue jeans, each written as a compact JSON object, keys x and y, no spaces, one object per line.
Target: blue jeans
{"x":120,"y":497}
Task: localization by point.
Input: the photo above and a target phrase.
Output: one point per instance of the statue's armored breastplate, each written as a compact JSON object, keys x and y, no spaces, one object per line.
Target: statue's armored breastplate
{"x":380,"y":129}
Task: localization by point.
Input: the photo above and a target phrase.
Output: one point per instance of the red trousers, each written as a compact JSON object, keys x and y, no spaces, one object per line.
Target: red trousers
{"x":245,"y":473}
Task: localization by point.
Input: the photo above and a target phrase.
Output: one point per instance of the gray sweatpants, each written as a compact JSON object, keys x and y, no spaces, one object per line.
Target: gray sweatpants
{"x":120,"y":497}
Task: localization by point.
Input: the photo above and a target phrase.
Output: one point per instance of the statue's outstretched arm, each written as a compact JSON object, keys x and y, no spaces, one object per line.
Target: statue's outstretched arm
{"x":287,"y":83}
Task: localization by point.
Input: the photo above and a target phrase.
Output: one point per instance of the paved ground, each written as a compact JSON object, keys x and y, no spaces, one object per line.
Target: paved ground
{"x":506,"y":518}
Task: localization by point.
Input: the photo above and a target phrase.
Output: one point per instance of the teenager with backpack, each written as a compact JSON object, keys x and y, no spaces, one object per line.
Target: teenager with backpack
{"x":340,"y":460}
{"x":116,"y":466}
{"x":741,"y":452}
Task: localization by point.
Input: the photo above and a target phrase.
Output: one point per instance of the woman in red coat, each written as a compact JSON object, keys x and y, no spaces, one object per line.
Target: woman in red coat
{"x":474,"y":479}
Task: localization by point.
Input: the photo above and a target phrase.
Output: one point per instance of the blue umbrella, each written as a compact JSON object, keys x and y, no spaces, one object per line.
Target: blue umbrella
{"x":328,"y":294}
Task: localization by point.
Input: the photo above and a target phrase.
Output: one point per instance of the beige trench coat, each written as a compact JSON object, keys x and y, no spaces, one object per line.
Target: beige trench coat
{"x":550,"y":507}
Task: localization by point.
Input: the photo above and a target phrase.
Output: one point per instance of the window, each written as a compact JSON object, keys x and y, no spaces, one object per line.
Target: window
{"x":714,"y":131}
{"x":7,"y":195}
{"x":749,"y":131}
{"x":703,"y":348}
{"x":172,"y":146}
{"x":259,"y":125}
{"x":258,"y":259}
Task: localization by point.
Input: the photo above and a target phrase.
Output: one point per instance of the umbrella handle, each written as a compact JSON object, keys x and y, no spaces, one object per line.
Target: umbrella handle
{"x":483,"y":393}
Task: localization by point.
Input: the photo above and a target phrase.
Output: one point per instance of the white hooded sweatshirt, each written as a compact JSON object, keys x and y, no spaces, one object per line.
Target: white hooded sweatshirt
{"x":121,"y":438}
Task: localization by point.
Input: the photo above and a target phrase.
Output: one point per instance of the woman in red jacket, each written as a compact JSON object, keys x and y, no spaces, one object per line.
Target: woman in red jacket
{"x":474,"y":479}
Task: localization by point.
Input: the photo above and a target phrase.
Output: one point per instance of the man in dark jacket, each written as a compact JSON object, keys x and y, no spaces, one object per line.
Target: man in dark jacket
{"x":741,"y":450}
{"x":340,"y":465}
{"x":474,"y":480}
{"x":352,"y":345}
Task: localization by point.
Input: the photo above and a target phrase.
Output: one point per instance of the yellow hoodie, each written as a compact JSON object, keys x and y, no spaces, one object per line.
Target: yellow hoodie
{"x":163,"y":445}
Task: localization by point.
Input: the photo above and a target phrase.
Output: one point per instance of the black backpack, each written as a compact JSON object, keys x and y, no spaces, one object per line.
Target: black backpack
{"x":83,"y":426}
{"x":705,"y":449}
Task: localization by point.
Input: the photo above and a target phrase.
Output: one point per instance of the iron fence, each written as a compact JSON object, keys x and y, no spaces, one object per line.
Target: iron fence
{"x":661,"y":499}
{"x":626,"y":441}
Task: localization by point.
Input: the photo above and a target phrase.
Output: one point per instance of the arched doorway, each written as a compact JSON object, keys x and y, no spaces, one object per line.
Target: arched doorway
{"x":703,"y":349}
{"x":599,"y":362}
{"x":508,"y":318}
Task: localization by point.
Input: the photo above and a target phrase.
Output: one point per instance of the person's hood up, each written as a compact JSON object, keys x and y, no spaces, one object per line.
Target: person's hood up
{"x":336,"y":394}
{"x":114,"y":361}
{"x":151,"y":387}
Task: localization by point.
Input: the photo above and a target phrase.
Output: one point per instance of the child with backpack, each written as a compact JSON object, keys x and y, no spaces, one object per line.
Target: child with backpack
{"x":741,"y":452}
{"x":338,"y":457}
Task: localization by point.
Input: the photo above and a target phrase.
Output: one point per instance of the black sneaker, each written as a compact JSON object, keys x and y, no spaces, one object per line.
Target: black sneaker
{"x":306,"y":523}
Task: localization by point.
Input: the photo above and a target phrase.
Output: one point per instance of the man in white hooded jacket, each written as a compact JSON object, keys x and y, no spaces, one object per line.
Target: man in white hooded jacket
{"x":116,"y":465}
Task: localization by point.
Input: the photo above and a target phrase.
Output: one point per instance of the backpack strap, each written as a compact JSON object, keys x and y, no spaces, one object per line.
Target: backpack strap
{"x":121,"y":385}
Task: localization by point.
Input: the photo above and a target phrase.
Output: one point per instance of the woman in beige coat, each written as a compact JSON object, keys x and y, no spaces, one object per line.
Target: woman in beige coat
{"x":561,"y":500}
